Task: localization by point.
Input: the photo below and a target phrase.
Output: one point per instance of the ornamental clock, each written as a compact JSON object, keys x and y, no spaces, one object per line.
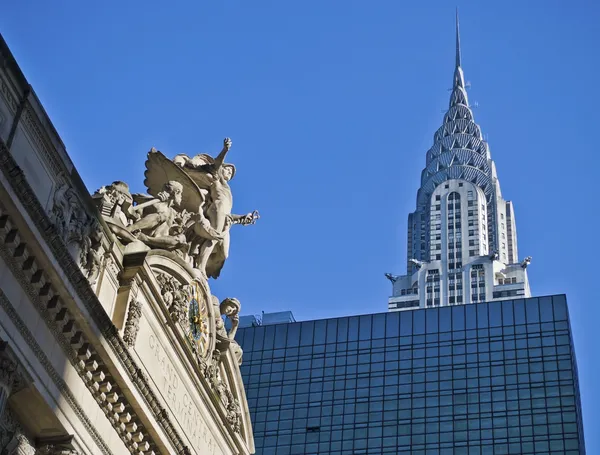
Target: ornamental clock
{"x":198,"y":319}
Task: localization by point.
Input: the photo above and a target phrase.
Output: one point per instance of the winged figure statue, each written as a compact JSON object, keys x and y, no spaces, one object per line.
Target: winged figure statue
{"x":206,"y":195}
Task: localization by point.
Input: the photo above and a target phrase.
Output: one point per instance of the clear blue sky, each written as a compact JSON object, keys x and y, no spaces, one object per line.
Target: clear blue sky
{"x":331,"y":106}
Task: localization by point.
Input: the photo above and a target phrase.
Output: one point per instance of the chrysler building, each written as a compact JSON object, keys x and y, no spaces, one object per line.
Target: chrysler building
{"x":462,"y":237}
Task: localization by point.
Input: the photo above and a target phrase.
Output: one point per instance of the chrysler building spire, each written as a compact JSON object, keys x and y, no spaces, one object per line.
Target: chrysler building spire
{"x":457,"y":41}
{"x":462,"y":239}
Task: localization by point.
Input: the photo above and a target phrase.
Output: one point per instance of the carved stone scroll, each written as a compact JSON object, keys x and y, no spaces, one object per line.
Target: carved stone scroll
{"x":132,"y":326}
{"x":176,"y":296}
{"x":81,"y":233}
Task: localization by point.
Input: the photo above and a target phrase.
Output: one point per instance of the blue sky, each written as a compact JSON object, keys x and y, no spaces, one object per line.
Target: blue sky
{"x":331,"y":106}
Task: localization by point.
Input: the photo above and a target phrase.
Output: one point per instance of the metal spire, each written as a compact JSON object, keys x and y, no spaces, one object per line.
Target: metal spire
{"x":457,"y":41}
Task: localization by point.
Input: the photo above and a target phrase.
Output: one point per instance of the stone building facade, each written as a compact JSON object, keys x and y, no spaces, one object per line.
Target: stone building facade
{"x":110,"y":339}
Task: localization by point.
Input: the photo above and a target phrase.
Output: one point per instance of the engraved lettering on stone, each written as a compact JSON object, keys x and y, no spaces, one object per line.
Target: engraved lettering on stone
{"x":175,"y":393}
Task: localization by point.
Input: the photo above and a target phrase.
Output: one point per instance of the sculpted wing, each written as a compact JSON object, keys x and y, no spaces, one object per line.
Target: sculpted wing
{"x":198,"y":167}
{"x":160,"y":170}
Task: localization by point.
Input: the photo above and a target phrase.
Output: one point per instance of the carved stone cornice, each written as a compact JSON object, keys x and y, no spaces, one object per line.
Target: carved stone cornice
{"x":51,"y":371}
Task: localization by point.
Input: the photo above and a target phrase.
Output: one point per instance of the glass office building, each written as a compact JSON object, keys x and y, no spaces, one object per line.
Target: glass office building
{"x":487,"y":378}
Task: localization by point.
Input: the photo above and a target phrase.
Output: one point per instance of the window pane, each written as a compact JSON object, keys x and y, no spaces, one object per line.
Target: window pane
{"x":418,"y":322}
{"x":320,"y":329}
{"x":342,"y":330}
{"x":246,"y":343}
{"x":546,"y":313}
{"x":280,"y":335}
{"x":306,"y":334}
{"x":495,"y":314}
{"x":258,"y":339}
{"x":392,"y":324}
{"x":532,"y":311}
{"x":519,"y":312}
{"x":331,"y":330}
{"x":365,"y":327}
{"x":432,"y":320}
{"x":269,"y":337}
{"x":482,"y":316}
{"x":379,"y":325}
{"x":353,"y":329}
{"x":458,"y":317}
{"x":293,"y":334}
{"x":406,"y":323}
{"x":507,"y":312}
{"x":471,"y":311}
{"x":445,"y":317}
{"x":560,"y":307}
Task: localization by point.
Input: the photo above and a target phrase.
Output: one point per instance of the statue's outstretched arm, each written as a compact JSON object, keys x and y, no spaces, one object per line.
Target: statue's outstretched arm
{"x":220,"y":159}
{"x":249,"y":218}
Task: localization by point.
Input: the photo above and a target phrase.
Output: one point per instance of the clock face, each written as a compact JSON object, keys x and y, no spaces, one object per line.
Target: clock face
{"x":193,"y":312}
{"x":198,"y":319}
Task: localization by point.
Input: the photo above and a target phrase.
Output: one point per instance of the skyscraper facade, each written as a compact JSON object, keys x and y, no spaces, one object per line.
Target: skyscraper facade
{"x":462,"y":237}
{"x":488,"y":378}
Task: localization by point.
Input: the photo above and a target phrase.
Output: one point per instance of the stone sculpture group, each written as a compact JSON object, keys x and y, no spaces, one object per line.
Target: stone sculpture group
{"x":187,"y":215}
{"x":187,"y":211}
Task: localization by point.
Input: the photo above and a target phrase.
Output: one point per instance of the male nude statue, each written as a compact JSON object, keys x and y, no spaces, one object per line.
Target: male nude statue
{"x":214,"y":176}
{"x":157,"y":226}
